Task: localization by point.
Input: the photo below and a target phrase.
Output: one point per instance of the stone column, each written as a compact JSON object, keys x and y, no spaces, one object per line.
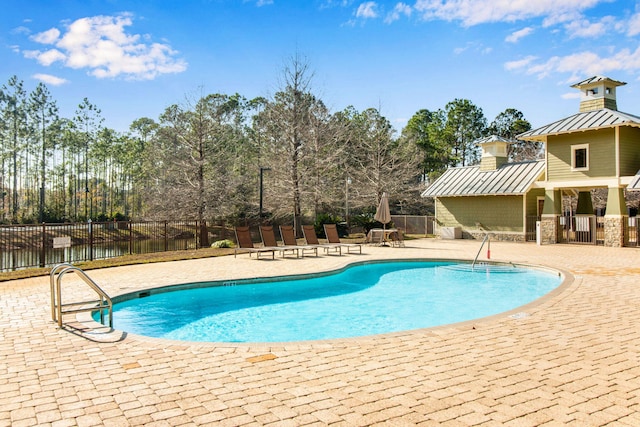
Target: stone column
{"x":614,"y":231}
{"x":615,"y":218}
{"x":549,"y":229}
{"x":550,"y":214}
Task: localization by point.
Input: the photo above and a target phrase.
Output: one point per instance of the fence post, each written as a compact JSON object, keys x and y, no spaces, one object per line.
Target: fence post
{"x":43,"y":252}
{"x":90,"y":226}
{"x":198,"y":234}
{"x":204,"y":235}
{"x":1,"y":250}
{"x":166,"y":237}
{"x":130,"y":238}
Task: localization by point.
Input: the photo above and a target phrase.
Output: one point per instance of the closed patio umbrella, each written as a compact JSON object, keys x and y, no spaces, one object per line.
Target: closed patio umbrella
{"x":383,"y":214}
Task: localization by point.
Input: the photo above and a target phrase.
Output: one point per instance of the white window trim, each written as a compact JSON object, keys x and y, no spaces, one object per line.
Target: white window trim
{"x":574,"y":148}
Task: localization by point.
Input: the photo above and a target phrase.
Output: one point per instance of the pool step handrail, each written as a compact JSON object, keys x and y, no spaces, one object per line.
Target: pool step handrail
{"x":58,"y":309}
{"x":486,"y":238}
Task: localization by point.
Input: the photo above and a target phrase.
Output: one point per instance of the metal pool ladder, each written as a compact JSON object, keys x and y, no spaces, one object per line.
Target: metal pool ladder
{"x":58,"y":309}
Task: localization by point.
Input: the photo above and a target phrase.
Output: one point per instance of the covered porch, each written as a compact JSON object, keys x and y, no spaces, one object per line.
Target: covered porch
{"x":571,"y":215}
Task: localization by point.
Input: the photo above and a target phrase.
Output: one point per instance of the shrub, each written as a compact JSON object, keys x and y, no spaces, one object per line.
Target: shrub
{"x":223,"y":244}
{"x":330,"y":219}
{"x":367,"y":222}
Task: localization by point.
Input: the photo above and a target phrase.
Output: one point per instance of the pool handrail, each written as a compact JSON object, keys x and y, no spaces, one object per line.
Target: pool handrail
{"x":486,"y":238}
{"x":103,"y":302}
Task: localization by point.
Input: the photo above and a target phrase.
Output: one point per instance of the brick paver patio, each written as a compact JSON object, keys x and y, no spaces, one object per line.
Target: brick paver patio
{"x":573,"y":358}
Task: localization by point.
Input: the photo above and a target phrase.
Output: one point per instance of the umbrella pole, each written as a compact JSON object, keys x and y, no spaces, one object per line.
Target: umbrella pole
{"x":384,"y":235}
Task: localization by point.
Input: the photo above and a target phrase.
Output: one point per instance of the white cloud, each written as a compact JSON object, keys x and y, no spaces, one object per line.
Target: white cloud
{"x":474,"y":12}
{"x":47,"y":37}
{"x":580,"y":64}
{"x":21,"y":30}
{"x":101,"y":45}
{"x":367,"y":10}
{"x":399,"y":10}
{"x":45,"y":58}
{"x":560,"y":17}
{"x":585,"y":28}
{"x":460,"y":50}
{"x":474,"y":46}
{"x":570,"y":17}
{"x":517,"y":35}
{"x":634,"y":25}
{"x":49,"y":79}
{"x":520,"y":63}
{"x":264,"y":2}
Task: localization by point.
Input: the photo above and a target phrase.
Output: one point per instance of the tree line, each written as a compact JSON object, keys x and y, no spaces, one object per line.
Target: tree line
{"x":286,"y":157}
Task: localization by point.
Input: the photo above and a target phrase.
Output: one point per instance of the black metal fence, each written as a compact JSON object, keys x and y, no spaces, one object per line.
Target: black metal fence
{"x":44,"y":245}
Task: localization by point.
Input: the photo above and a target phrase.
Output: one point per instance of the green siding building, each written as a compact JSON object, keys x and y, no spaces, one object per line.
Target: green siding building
{"x":599,"y":147}
{"x":494,"y":197}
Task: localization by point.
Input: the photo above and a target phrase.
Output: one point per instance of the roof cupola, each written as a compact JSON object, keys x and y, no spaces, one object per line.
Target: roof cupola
{"x":598,"y":92}
{"x":494,"y":152}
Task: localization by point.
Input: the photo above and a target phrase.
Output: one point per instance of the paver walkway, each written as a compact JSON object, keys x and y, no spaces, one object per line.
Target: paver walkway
{"x":572,"y":359}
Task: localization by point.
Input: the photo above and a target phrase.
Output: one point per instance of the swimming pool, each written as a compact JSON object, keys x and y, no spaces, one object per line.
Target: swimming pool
{"x":362,"y":299}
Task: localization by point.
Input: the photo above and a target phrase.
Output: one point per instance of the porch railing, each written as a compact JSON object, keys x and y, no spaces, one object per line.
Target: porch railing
{"x":632,"y":231}
{"x":579,"y":229}
{"x":530,"y":227}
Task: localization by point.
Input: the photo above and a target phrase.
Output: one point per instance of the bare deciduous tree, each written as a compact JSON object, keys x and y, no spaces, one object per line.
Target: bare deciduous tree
{"x":194,"y":146}
{"x":379,"y":162}
{"x":289,"y":124}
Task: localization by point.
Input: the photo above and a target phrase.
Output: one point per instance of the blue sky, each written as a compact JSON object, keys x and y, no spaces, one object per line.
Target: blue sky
{"x":134,"y":58}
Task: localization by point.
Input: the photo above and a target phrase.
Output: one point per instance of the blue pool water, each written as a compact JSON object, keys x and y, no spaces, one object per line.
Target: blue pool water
{"x":366,"y":299}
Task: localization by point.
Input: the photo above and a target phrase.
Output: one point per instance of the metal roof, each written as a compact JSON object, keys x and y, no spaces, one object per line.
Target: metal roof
{"x":587,"y":120}
{"x":635,"y":183}
{"x":508,"y":179}
{"x":493,"y":138}
{"x":598,"y":79}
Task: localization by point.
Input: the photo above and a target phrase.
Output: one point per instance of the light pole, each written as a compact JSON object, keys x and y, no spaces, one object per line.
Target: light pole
{"x":262,"y":169}
{"x":346,"y":201}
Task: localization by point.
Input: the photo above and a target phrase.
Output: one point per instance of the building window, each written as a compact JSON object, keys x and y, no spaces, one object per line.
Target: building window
{"x":580,"y":157}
